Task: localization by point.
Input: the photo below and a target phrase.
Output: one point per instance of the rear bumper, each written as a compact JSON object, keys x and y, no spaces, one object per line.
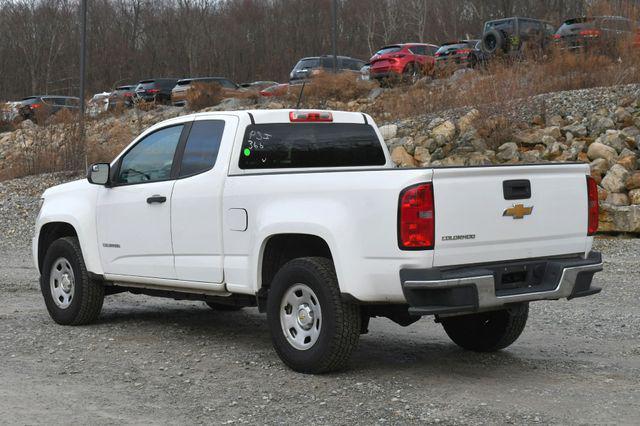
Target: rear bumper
{"x":485,"y":287}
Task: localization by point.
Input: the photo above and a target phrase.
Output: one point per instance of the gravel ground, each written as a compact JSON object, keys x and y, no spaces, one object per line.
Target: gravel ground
{"x":160,"y":361}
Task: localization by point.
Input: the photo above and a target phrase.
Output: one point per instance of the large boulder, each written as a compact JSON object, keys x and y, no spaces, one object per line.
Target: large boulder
{"x":628,"y":160}
{"x":600,"y":150}
{"x":633,"y":181}
{"x":600,"y":124}
{"x":576,"y":129}
{"x":402,"y":158}
{"x":467,"y":121}
{"x":508,"y":152}
{"x":446,"y":130}
{"x":612,"y":138}
{"x":634,"y":196}
{"x":617,"y":199}
{"x":389,"y":131}
{"x":599,"y":166}
{"x":422,"y":155}
{"x":619,"y":218}
{"x":616,"y":179}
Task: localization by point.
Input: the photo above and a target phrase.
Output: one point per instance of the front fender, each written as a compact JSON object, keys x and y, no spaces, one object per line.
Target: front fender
{"x":74,"y":204}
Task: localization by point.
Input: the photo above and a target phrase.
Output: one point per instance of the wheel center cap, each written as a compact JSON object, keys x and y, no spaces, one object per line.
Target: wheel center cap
{"x":305,"y":316}
{"x":65,"y":283}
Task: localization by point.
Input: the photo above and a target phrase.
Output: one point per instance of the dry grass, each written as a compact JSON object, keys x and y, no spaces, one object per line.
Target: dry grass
{"x":328,"y":87}
{"x":202,"y":95}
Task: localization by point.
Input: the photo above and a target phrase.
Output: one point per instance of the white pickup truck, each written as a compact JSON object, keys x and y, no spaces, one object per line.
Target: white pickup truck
{"x":303,"y":214}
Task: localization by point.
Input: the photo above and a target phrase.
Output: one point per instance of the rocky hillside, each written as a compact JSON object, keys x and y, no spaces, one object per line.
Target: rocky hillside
{"x":597,"y":126}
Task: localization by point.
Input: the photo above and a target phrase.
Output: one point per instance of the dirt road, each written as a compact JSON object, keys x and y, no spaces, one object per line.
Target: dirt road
{"x":160,"y":361}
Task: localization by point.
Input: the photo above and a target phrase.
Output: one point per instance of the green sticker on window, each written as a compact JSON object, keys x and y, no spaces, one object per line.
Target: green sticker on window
{"x":247,"y":152}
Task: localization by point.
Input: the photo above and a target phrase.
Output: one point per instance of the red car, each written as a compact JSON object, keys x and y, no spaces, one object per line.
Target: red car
{"x":408,"y":61}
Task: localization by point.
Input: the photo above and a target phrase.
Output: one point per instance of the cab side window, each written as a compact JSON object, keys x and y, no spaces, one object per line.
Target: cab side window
{"x":202,"y":147}
{"x":151,"y":159}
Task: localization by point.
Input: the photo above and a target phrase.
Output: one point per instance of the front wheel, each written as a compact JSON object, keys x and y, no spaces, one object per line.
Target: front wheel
{"x":487,"y":331}
{"x":312,"y":329}
{"x":71,"y":296}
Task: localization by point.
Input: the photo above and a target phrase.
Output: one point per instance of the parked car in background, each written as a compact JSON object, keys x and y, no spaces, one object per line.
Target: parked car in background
{"x":155,"y":90}
{"x":182,"y":87}
{"x":41,"y":107}
{"x":408,"y":62}
{"x":604,"y":33}
{"x":516,"y":36}
{"x":257,"y":86}
{"x":98,"y":104}
{"x":122,"y":95}
{"x":364,"y":72}
{"x":309,"y":67}
{"x":459,"y":54}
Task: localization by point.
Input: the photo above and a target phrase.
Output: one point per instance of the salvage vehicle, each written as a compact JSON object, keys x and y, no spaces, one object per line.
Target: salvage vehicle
{"x":603,"y":34}
{"x":303,"y":214}
{"x":517,"y":36}
{"x":180,"y":92}
{"x":406,"y":62}
{"x":155,"y":90}
{"x":460,"y":54}
{"x":307,"y":68}
{"x":40,"y":108}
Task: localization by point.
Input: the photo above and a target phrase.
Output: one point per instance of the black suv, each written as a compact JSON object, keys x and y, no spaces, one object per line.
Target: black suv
{"x":309,"y":67}
{"x":42,"y":107}
{"x":157,"y":89}
{"x":605,"y":33}
{"x":516,"y":36}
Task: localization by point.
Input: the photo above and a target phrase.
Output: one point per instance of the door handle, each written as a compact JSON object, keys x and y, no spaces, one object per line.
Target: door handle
{"x":156,"y":199}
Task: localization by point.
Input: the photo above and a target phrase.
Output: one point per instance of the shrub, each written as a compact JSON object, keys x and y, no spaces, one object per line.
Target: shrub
{"x":202,"y":95}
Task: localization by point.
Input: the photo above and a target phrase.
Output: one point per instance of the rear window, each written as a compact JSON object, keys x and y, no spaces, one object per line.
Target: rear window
{"x":307,"y":145}
{"x":183,"y":82}
{"x":389,"y":49}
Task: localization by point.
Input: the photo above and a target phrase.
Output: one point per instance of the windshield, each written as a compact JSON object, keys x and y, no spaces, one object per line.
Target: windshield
{"x":307,"y":63}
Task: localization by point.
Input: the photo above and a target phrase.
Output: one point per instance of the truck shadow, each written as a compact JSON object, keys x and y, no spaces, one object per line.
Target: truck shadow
{"x":422,"y":349}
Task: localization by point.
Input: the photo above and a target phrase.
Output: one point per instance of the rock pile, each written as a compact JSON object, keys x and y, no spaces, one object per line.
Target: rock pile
{"x":608,"y":139}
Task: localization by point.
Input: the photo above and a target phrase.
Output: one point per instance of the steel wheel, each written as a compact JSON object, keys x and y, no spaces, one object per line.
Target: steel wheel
{"x":301,"y":316}
{"x":62,"y":283}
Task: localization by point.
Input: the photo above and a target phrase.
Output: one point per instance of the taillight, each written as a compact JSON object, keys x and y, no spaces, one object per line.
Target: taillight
{"x":153,"y":91}
{"x":463,"y":51}
{"x":590,"y":33}
{"x":594,"y":208}
{"x":35,"y":106}
{"x":310,"y":116}
{"x":128,"y":95}
{"x":557,"y":36}
{"x":438,"y":54}
{"x":416,"y":218}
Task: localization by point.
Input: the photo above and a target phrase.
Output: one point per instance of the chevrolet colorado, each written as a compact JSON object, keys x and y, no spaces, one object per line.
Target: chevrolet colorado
{"x":303,"y":214}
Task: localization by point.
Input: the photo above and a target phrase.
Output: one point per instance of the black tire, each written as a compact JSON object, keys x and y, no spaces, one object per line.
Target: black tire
{"x":222,"y":307}
{"x":493,"y":41}
{"x":341,"y":320}
{"x":487,"y":331}
{"x":88,"y":295}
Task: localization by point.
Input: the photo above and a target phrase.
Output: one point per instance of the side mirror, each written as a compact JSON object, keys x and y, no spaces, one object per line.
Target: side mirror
{"x":99,"y":173}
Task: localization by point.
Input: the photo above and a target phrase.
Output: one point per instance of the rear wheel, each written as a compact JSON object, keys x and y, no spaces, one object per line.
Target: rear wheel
{"x":313,"y":330}
{"x":71,"y":297}
{"x":487,"y":331}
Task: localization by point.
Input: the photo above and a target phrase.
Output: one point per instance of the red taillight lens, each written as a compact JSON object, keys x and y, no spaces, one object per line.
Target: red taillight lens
{"x":153,"y":91}
{"x":310,"y":116}
{"x":590,"y":33}
{"x":128,"y":95}
{"x":557,"y":36}
{"x":594,"y":207}
{"x":438,"y":54}
{"x":416,"y":218}
{"x":35,"y":106}
{"x":463,"y":51}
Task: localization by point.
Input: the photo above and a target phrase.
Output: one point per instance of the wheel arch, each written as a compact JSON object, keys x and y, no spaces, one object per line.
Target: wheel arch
{"x":49,"y":232}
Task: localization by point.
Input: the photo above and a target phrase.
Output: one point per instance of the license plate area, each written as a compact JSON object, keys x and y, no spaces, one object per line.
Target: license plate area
{"x":521,"y":278}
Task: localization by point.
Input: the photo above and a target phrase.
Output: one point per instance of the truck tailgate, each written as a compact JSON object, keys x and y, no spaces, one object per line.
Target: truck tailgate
{"x":484,"y":214}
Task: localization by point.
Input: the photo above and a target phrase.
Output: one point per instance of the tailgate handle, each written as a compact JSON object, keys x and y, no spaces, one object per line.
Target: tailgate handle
{"x":519,"y":189}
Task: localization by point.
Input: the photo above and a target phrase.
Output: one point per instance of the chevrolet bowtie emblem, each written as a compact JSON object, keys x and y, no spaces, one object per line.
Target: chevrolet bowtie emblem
{"x":518,"y":211}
